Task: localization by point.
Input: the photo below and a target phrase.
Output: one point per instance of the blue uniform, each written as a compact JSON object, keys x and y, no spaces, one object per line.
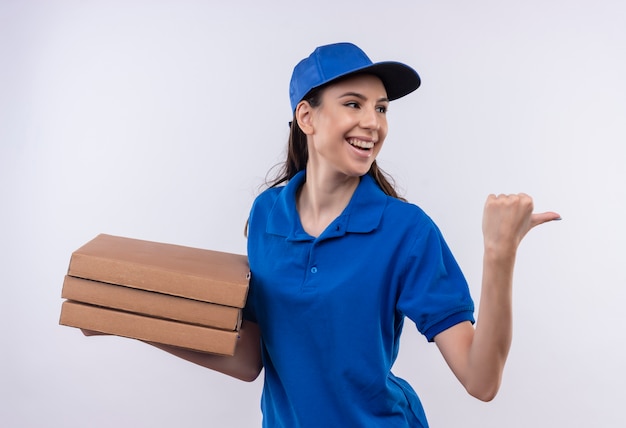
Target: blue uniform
{"x":331,"y":308}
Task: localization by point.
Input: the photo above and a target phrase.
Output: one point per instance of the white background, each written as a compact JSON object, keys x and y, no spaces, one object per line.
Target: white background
{"x":159,"y":120}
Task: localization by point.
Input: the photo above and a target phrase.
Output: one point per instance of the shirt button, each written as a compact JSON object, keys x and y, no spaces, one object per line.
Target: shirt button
{"x":314,"y":269}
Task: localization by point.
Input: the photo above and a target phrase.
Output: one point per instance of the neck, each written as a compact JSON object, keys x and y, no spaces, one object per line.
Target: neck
{"x":322,"y":199}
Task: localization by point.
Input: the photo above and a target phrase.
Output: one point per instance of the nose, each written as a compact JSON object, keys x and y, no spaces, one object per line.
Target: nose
{"x":370,"y":119}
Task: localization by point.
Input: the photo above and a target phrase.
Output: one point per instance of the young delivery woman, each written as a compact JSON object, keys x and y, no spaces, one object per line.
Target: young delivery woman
{"x":338,"y":261}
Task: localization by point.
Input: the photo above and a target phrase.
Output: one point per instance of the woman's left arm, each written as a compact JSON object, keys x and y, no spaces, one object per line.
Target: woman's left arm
{"x":477,"y":355}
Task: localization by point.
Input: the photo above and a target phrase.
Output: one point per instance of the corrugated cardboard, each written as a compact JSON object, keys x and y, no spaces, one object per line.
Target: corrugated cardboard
{"x":150,"y":303}
{"x":199,"y":274}
{"x":148,"y":329}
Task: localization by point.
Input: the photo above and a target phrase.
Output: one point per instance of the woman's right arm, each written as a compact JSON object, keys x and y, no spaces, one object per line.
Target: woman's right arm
{"x":245,"y":364}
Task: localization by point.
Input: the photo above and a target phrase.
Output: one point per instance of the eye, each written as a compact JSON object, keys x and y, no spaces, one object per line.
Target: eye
{"x":382,"y":109}
{"x":352,"y":104}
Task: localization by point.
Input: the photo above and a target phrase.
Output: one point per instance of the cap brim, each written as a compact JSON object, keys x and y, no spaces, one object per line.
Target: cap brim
{"x":399,"y":79}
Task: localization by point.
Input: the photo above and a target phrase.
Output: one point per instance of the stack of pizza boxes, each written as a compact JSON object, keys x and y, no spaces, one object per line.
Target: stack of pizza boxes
{"x":155,"y":292}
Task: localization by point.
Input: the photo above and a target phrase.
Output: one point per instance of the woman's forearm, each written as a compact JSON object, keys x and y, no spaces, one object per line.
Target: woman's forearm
{"x":494,"y":327}
{"x":245,"y":364}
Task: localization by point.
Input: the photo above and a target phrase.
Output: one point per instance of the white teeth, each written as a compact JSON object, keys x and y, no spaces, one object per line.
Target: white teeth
{"x":360,"y":143}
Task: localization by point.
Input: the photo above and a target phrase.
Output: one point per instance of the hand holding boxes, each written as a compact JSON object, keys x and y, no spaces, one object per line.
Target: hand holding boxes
{"x":156,"y":292}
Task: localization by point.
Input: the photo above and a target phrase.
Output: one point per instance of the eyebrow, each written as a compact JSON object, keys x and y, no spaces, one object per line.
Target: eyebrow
{"x":362,"y":97}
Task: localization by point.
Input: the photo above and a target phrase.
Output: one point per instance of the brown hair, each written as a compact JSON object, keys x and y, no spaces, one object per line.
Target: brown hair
{"x":298,"y":155}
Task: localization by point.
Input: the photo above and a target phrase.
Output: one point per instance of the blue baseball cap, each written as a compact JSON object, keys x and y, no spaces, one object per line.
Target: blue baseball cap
{"x":331,"y":62}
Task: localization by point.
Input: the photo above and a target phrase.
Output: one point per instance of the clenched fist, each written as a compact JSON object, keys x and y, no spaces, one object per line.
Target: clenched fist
{"x":508,"y":218}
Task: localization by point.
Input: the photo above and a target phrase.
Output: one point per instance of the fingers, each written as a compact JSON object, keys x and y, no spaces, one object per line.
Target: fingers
{"x":511,"y":198}
{"x":525,"y":203}
{"x":540,"y":218}
{"x":92,"y":332}
{"x":520,"y":203}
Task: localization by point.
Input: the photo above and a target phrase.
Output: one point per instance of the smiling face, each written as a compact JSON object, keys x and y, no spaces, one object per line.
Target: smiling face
{"x":347,"y":130}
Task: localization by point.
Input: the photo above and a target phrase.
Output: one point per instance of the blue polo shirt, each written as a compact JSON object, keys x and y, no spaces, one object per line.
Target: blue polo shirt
{"x":331,"y":308}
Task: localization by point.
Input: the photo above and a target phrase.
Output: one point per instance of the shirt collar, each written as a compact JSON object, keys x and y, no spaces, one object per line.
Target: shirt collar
{"x":362,"y":215}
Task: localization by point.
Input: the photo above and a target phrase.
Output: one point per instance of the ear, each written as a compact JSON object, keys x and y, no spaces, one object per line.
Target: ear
{"x":304,"y":113}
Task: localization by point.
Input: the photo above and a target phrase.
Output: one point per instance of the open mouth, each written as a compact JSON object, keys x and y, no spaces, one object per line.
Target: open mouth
{"x":360,"y":144}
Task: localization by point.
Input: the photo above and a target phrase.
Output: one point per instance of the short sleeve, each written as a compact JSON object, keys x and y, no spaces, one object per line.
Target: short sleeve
{"x":434,"y":292}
